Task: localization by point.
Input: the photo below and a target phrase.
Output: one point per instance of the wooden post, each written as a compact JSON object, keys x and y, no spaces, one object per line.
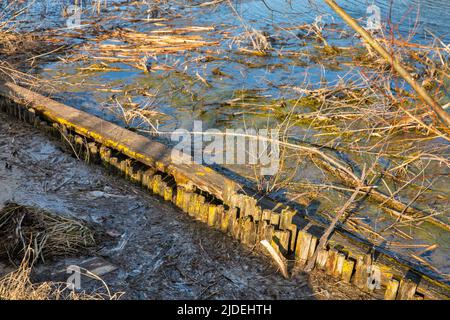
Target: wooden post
{"x":212,"y":215}
{"x":79,"y":146}
{"x":331,"y":262}
{"x":281,"y":240}
{"x":147,"y":177}
{"x":275,"y":219}
{"x":391,"y":289}
{"x":286,"y":218}
{"x":232,"y":213}
{"x":204,"y":213}
{"x":292,"y":228}
{"x":250,"y":206}
{"x":198,"y":207}
{"x":31,"y":115}
{"x":257,"y":215}
{"x":236,"y":232}
{"x":234,"y":200}
{"x":248,"y":232}
{"x":312,"y":247}
{"x":225,"y":221}
{"x":168,"y":193}
{"x":105,"y":154}
{"x":137,"y":176}
{"x":155,"y":183}
{"x":122,"y":167}
{"x":114,"y":165}
{"x":129,"y":170}
{"x":339,"y":266}
{"x":362,"y":271}
{"x":266,"y":215}
{"x":55,"y":129}
{"x":220,"y":210}
{"x":241,"y":204}
{"x":302,"y":247}
{"x":407,"y":289}
{"x":321,"y":259}
{"x":93,"y":153}
{"x":162,"y":188}
{"x":347,"y":270}
{"x":192,"y":204}
{"x":179,"y":197}
{"x":267,"y":232}
{"x":186,"y":201}
{"x":262,"y":231}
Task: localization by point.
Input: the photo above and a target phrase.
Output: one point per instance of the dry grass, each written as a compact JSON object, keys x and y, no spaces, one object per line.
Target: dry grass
{"x":18,"y":285}
{"x":49,"y":235}
{"x":27,"y":235}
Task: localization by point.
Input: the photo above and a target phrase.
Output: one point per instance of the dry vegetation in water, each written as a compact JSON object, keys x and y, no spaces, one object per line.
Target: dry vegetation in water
{"x":368,"y":115}
{"x":132,"y":44}
{"x":22,"y":51}
{"x":382,"y":127}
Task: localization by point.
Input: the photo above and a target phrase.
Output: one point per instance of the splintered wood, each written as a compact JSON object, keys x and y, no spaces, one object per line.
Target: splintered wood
{"x":131,"y":45}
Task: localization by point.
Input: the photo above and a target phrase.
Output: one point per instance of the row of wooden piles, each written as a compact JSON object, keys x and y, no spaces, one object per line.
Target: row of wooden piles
{"x":242,"y":217}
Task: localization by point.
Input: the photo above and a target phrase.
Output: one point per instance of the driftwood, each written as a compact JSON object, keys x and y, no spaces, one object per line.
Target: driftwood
{"x":276,"y":257}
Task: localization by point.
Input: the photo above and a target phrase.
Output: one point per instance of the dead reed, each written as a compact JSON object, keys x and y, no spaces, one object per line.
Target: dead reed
{"x":49,"y":235}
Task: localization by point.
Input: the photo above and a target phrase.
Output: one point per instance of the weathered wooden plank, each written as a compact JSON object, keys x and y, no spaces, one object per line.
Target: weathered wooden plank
{"x":127,"y":142}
